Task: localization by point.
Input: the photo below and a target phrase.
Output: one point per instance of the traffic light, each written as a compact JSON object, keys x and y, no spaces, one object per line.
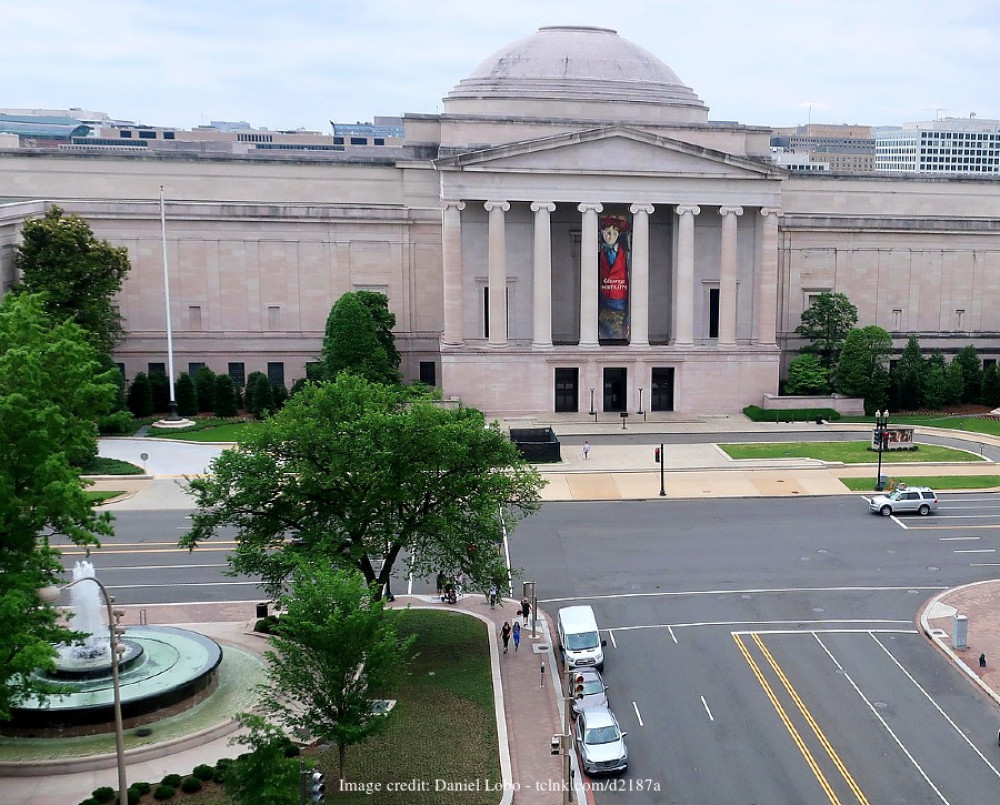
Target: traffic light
{"x":576,"y":686}
{"x":656,"y":455}
{"x":317,"y":786}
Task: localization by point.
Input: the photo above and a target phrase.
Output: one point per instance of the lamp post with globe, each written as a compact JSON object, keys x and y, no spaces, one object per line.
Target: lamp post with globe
{"x":881,"y":434}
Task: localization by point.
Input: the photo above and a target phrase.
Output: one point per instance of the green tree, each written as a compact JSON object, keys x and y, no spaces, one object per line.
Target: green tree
{"x":908,"y":377}
{"x":863,"y":368}
{"x":385,"y":320}
{"x":352,"y":343}
{"x":991,"y":386}
{"x":360,"y":473}
{"x":972,"y":373}
{"x":806,"y":375}
{"x":140,"y":396}
{"x":268,"y":774}
{"x":225,"y":396}
{"x":52,"y":391}
{"x":825,"y":324}
{"x":337,"y":651}
{"x":187,"y":397}
{"x":78,"y":274}
{"x":936,"y":383}
{"x":260,"y":395}
{"x":954,"y":383}
{"x":204,"y":383}
{"x":160,"y":385}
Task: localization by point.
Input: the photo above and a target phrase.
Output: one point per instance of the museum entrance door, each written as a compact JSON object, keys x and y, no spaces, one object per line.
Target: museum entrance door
{"x":615,"y":384}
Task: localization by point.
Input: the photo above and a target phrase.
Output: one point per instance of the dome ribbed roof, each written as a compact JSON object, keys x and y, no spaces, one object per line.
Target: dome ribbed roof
{"x":575,"y":62}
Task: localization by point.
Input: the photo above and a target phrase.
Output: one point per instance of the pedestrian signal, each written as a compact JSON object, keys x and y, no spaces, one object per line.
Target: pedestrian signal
{"x":656,"y":455}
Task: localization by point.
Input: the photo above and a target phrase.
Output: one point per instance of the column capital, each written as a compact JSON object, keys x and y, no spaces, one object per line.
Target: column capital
{"x":591,"y":207}
{"x":724,"y":211}
{"x":453,"y":205}
{"x":497,"y":205}
{"x":538,"y":206}
{"x":775,"y":211}
{"x":688,"y":209}
{"x":641,"y":207}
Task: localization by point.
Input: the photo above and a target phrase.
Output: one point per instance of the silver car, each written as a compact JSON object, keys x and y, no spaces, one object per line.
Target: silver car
{"x":601,"y":742}
{"x":589,"y":690}
{"x":917,"y":499}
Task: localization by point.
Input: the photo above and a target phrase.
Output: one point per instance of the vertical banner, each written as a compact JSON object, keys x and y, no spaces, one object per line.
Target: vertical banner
{"x":613,"y":271}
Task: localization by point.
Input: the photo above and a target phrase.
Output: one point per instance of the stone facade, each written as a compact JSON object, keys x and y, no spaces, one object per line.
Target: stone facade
{"x":508,"y":188}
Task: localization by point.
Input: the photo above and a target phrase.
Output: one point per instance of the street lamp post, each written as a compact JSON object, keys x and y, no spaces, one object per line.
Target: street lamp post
{"x":881,"y":425}
{"x":663,"y":458}
{"x":50,"y":595}
{"x":593,"y":411}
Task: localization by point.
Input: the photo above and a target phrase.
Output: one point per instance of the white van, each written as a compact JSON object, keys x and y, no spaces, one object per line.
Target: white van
{"x":579,"y":641}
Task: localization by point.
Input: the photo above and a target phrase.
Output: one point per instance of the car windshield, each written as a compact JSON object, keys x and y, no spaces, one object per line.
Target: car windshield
{"x":592,"y":686}
{"x":581,"y":641}
{"x":601,"y":735}
{"x":895,"y":494}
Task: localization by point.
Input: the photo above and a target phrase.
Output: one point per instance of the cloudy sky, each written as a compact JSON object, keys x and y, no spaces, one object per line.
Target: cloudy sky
{"x":301,"y":64}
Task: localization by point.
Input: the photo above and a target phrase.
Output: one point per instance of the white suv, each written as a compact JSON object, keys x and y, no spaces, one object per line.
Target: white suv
{"x":917,"y":499}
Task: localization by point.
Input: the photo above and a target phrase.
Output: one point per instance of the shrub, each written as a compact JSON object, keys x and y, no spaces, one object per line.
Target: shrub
{"x":758,"y":414}
{"x":191,"y":784}
{"x":115,"y":424}
{"x":292,"y":750}
{"x":133,"y":796}
{"x":226,"y":401}
{"x":142,"y":788}
{"x":187,"y":398}
{"x":161,"y":391}
{"x":266,"y":625}
{"x":89,"y":801}
{"x":140,"y":396}
{"x":173,"y":780}
{"x":203,"y":771}
{"x":103,"y":794}
{"x":163,"y":792}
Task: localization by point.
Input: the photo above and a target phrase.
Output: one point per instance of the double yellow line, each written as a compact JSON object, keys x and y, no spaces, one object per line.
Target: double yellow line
{"x":787,"y":721}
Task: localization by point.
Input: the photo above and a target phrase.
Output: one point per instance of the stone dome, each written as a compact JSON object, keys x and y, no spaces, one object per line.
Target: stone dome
{"x":575,"y":64}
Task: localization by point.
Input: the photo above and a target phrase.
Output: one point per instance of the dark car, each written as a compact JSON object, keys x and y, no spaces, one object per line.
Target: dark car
{"x":595,"y":692}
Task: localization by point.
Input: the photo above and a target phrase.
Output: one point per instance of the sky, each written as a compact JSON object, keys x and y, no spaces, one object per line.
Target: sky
{"x":302,"y":64}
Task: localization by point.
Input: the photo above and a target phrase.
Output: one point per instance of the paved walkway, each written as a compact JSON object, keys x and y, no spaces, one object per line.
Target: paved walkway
{"x":528,"y":700}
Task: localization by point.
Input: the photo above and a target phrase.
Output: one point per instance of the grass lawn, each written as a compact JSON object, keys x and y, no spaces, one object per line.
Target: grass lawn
{"x":111,"y":466}
{"x":100,"y":497}
{"x":443,"y":726}
{"x":209,"y":430}
{"x":846,"y":452}
{"x":937,"y":482}
{"x":952,"y":422}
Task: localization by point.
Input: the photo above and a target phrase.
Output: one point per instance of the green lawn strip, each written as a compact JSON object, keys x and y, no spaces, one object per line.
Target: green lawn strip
{"x":110,"y":466}
{"x":443,"y":726}
{"x":846,"y":452}
{"x":217,"y":430}
{"x":936,"y":482}
{"x":973,"y":424}
{"x":100,"y":497}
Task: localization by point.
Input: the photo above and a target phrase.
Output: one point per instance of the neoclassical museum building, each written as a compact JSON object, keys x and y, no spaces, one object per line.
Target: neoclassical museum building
{"x":571,"y":233}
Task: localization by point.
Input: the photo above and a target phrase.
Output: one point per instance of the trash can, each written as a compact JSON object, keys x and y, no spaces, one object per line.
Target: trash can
{"x":262,"y":610}
{"x":960,"y":632}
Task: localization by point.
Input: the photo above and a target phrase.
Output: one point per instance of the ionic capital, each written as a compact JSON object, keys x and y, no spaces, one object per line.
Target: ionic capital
{"x":588,"y":206}
{"x":453,"y":205}
{"x":724,"y":211}
{"x":641,"y":207}
{"x":503,"y":206}
{"x":538,"y":206}
{"x":775,"y":211}
{"x":688,"y":209}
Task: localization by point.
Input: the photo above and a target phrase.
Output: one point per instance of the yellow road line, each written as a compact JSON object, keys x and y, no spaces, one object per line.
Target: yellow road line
{"x":812,"y":722}
{"x":133,"y":551}
{"x":810,"y":760}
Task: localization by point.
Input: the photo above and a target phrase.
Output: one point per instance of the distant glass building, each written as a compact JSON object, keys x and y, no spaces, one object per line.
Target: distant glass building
{"x":952,"y":145}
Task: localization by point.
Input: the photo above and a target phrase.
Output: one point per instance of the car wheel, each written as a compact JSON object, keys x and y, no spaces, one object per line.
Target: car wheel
{"x":886,"y":510}
{"x":924,"y":510}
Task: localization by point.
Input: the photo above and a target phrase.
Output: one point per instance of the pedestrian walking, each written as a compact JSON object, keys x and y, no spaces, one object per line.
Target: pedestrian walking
{"x":525,"y":609}
{"x":586,"y":449}
{"x":505,"y":632}
{"x":516,"y":634}
{"x":494,"y":593}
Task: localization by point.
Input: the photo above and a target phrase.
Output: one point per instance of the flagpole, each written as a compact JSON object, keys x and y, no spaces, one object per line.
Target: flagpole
{"x":172,"y":416}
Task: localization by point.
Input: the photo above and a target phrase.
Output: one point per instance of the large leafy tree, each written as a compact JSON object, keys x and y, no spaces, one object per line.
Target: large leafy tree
{"x":972,"y":373}
{"x":354,"y":341}
{"x":355,"y":474}
{"x":826,"y":323}
{"x":51,"y":392}
{"x":336,"y":652}
{"x":863,"y":369}
{"x":806,"y":375}
{"x":78,"y":274}
{"x":909,"y":377}
{"x":385,"y":320}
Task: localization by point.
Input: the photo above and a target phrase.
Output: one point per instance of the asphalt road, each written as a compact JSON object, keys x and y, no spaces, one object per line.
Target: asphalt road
{"x":759,"y":651}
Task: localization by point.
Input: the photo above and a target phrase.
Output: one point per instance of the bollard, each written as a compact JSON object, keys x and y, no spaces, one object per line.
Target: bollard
{"x":982,"y":660}
{"x":541,"y":676}
{"x":960,"y":632}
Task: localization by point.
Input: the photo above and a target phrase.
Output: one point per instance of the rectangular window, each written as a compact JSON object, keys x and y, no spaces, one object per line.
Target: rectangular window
{"x":486,"y":312}
{"x":125,"y":134}
{"x":713,"y":312}
{"x":276,"y":373}
{"x":428,"y":373}
{"x":193,"y":368}
{"x":273,"y":317}
{"x":194,"y":317}
{"x":359,"y":141}
{"x":237,"y":371}
{"x":662,"y":396}
{"x":567,"y":390}
{"x":147,"y":135}
{"x":157,"y":367}
{"x":959,"y":319}
{"x":168,"y":135}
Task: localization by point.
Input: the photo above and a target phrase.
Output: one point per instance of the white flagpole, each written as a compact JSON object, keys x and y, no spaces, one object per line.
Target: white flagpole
{"x":166,"y":288}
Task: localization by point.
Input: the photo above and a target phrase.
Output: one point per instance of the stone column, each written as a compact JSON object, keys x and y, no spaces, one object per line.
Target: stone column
{"x":727,"y":277}
{"x":639,"y":286}
{"x":588,"y":274}
{"x":498,"y":272}
{"x":684,"y":296}
{"x":451,"y":242}
{"x":766,"y":323}
{"x":541,"y":299}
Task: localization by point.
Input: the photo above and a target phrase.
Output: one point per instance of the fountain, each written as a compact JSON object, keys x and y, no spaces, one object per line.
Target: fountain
{"x":163,"y":670}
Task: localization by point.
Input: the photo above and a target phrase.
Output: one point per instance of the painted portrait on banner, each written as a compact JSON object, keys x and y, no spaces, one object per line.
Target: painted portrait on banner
{"x":614,"y":268}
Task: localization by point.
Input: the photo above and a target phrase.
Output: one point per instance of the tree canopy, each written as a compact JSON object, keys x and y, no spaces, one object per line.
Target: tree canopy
{"x":355,"y":474}
{"x":356,"y":341}
{"x":826,"y":323}
{"x":78,"y":274}
{"x":52,"y":390}
{"x":863,"y":369}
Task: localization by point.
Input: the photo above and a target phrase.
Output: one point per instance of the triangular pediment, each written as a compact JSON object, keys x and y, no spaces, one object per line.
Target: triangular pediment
{"x":614,"y":150}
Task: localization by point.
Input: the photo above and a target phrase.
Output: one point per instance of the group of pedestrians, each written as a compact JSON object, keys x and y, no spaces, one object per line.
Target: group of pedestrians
{"x":508,"y":632}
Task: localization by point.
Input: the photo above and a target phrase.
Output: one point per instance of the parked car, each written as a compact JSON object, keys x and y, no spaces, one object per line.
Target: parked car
{"x":595,"y":692}
{"x":600,"y":741}
{"x":917,"y":499}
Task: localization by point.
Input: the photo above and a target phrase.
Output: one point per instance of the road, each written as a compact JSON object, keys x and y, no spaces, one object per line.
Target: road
{"x":760,"y":650}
